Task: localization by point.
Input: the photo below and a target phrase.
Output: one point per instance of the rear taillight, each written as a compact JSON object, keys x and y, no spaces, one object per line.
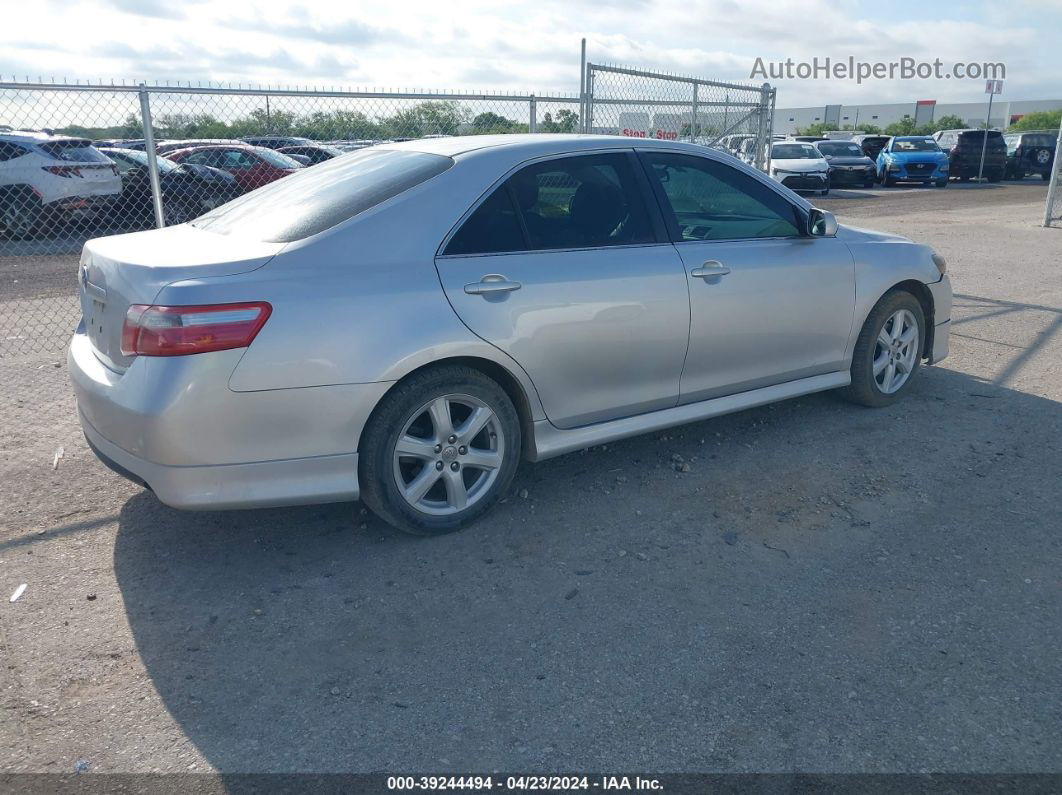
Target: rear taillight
{"x":184,"y":330}
{"x":63,"y":171}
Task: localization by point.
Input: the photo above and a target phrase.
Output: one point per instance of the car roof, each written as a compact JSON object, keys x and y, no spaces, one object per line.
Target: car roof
{"x":36,"y":137}
{"x":240,"y":145}
{"x":532,"y":143}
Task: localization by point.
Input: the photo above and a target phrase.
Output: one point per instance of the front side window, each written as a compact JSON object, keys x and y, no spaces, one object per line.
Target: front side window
{"x":236,"y":160}
{"x":709,"y":200}
{"x":587,"y":201}
{"x":203,"y":157}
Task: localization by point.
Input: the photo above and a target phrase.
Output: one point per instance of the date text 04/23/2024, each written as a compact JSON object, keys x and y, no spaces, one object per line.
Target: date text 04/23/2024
{"x":523,"y":783}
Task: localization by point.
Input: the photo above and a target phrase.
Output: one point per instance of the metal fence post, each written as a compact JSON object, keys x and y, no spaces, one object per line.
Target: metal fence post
{"x":693,"y":121}
{"x":582,"y":87}
{"x":1052,"y":186}
{"x":153,"y":164}
{"x":532,"y":122}
{"x":762,"y":137}
{"x":770,"y":95}
{"x":588,"y":126}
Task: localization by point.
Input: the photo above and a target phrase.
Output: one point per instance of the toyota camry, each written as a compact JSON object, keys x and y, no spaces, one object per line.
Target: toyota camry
{"x":405,"y":323}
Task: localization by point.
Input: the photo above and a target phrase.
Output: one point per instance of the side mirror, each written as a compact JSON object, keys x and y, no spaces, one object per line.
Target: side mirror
{"x":821,"y":223}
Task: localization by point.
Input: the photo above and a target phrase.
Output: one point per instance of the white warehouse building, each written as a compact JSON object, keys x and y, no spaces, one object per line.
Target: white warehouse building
{"x":1004,"y":113}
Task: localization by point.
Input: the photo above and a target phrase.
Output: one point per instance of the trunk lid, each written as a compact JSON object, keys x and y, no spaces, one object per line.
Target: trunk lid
{"x":121,"y":270}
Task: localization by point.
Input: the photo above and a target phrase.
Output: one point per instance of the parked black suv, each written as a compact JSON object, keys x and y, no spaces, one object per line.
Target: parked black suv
{"x":871,"y":144}
{"x":964,"y":151}
{"x":1030,"y":153}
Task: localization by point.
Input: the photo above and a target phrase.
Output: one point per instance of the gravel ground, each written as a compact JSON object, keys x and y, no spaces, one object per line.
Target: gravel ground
{"x":829,"y":588}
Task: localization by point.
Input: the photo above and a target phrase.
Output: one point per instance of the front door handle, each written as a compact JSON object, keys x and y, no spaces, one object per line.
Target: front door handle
{"x":492,"y":283}
{"x":710,"y":268}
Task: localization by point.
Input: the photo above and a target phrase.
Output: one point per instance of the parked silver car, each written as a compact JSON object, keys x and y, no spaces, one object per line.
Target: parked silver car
{"x":406,"y":322}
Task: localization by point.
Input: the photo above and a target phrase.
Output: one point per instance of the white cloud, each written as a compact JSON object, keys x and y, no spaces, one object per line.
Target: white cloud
{"x":506,"y":45}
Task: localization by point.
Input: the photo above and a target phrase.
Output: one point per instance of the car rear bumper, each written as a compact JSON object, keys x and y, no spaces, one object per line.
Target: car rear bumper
{"x":174,"y":424}
{"x":261,"y":484}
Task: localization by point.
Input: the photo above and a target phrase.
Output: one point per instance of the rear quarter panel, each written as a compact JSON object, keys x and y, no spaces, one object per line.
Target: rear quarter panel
{"x":359,"y":303}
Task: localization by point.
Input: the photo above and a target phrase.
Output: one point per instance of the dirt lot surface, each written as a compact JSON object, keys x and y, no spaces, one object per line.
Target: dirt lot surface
{"x":828,"y":588}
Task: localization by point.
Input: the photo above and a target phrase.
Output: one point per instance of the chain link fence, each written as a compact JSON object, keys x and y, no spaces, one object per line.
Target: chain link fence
{"x":81,"y":160}
{"x":730,"y":116}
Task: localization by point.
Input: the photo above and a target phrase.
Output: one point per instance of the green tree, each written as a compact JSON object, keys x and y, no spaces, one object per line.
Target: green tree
{"x":902,"y":127}
{"x":950,"y":122}
{"x":1038,"y":120}
{"x":566,"y":121}
{"x":489,"y":122}
{"x":818,"y":128}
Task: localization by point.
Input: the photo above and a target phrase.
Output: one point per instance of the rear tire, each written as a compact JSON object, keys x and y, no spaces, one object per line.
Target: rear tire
{"x":445,"y":418}
{"x":21,"y":214}
{"x":887,"y":356}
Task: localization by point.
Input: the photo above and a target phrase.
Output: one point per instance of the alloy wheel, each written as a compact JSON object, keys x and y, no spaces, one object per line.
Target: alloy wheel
{"x":896,"y":351}
{"x":448,"y":454}
{"x":17,"y":219}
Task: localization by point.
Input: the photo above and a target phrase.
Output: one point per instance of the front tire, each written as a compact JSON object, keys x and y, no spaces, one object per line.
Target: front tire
{"x":888,"y":352}
{"x":439,"y":451}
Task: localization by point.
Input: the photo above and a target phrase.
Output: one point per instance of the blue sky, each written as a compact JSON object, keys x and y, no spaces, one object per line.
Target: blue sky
{"x":496,"y":44}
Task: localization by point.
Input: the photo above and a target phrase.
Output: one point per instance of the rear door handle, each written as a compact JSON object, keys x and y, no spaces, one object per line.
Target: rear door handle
{"x":710,"y":268}
{"x":492,"y":283}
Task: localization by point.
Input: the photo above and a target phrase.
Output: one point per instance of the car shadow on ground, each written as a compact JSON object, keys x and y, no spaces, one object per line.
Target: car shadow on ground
{"x":827,"y":588}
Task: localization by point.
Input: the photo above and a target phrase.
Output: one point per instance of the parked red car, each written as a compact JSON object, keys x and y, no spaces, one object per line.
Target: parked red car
{"x":252,"y":166}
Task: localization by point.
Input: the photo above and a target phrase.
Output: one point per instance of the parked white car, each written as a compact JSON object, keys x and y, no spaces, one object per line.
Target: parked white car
{"x":800,"y":166}
{"x":44,"y":175}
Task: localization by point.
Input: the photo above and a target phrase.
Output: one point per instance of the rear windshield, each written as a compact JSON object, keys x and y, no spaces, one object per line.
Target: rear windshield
{"x":275,"y":158}
{"x":141,"y":159}
{"x":318,"y":198}
{"x":994,"y":136}
{"x":74,"y":152}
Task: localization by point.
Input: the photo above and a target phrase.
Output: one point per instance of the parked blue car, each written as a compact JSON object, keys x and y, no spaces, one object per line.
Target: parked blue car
{"x":912,"y":158}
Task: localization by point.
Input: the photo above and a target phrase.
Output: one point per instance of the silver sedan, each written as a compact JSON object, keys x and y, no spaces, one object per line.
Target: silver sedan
{"x":404,"y":323}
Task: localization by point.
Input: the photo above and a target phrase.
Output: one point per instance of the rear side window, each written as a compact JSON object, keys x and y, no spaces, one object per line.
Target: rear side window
{"x":9,"y":151}
{"x":74,"y":152}
{"x":493,"y":228}
{"x":313,"y":200}
{"x":586,"y":201}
